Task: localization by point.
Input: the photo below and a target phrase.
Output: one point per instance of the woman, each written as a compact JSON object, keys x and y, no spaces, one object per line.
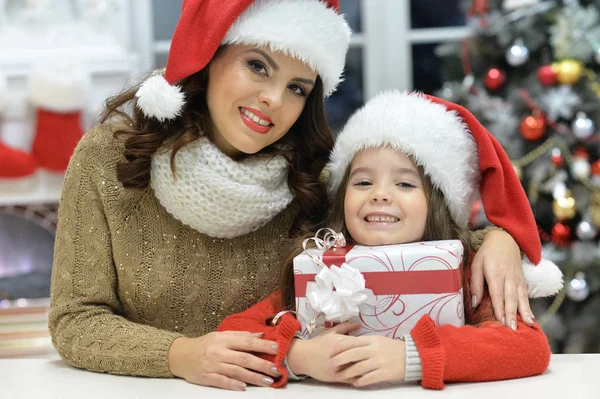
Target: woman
{"x":170,"y":218}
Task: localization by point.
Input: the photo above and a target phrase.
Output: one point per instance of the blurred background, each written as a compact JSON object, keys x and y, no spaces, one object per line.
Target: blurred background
{"x":526,"y":68}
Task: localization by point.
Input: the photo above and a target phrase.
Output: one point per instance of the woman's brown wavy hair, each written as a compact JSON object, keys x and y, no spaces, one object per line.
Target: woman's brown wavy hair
{"x":306,"y":146}
{"x":439,"y":225}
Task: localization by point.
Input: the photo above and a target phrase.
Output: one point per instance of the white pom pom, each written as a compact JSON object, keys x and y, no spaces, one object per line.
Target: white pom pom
{"x":157,"y":98}
{"x":543,"y":279}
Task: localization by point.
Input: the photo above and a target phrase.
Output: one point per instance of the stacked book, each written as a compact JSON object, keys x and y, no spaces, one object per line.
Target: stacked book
{"x":24,"y":328}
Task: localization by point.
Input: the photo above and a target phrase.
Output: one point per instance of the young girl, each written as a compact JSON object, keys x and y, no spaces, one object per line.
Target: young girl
{"x":406,"y":168}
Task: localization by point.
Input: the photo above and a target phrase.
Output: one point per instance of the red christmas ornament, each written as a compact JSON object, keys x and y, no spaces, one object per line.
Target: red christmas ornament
{"x":561,"y":234}
{"x":494,"y":79}
{"x":581,"y":152}
{"x":557,"y":158}
{"x":546,"y":75}
{"x":596,"y":168}
{"x":533,"y":127}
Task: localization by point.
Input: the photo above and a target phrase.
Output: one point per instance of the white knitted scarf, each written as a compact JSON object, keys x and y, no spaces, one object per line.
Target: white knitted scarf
{"x":216,"y":195}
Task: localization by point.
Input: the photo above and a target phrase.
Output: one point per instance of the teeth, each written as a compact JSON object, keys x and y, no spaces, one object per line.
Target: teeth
{"x":255,"y":118}
{"x":381,"y":218}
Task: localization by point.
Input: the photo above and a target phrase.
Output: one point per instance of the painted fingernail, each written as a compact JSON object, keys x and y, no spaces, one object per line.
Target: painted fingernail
{"x":259,"y":334}
{"x":513,"y":325}
{"x":503,"y":320}
{"x":275,"y":371}
{"x":240,"y":386}
{"x":267,"y":380}
{"x":474,"y":301}
{"x":533,"y":316}
{"x":529,"y":320}
{"x":275,"y":347}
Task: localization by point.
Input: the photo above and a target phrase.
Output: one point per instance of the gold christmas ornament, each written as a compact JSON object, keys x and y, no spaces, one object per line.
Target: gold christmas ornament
{"x":568,"y":71}
{"x":564,"y":208}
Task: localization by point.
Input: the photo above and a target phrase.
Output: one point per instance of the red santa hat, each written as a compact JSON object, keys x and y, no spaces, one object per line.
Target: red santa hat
{"x":309,"y":30}
{"x":461,"y":158}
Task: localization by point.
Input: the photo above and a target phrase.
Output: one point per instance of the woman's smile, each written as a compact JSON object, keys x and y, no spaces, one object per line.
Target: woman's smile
{"x":256,"y":120}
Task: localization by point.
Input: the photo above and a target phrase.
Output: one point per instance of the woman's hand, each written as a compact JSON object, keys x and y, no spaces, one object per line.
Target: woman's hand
{"x":499,"y":261}
{"x":369,"y":360}
{"x":311,"y":357}
{"x":222,"y":360}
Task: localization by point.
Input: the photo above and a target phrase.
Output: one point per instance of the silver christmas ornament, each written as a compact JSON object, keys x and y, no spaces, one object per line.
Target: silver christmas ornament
{"x":583,"y":127}
{"x":586,"y":231}
{"x":580,"y":168}
{"x":578,"y":289}
{"x":517,"y":54}
{"x":448,"y":93}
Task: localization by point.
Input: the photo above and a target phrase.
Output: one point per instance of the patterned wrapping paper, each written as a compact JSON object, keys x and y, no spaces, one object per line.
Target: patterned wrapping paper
{"x":408,"y":280}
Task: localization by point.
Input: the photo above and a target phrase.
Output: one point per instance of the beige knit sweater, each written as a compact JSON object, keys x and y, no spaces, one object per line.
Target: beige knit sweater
{"x":128,"y":278}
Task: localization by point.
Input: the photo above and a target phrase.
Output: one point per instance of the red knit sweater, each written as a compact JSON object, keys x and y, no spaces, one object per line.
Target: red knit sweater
{"x":487,"y":352}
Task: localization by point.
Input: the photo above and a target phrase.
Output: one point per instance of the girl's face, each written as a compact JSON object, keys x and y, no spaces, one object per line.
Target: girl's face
{"x":254,"y":97}
{"x":385,"y":199}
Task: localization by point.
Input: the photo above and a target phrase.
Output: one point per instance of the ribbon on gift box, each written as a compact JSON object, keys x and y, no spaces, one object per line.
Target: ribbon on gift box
{"x":388,"y":282}
{"x":338,"y":293}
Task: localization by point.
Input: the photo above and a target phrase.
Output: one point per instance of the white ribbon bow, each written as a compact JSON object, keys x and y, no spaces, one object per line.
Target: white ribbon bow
{"x":339,"y":293}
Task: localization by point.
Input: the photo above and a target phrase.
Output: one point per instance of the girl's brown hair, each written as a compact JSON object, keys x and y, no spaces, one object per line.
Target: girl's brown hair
{"x":439,"y":225}
{"x":306,"y":146}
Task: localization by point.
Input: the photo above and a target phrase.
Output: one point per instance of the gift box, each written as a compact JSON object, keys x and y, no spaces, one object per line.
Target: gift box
{"x":385,"y":288}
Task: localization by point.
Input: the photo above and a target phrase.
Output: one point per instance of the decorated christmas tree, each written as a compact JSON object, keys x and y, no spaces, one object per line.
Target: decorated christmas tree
{"x":531,"y":73}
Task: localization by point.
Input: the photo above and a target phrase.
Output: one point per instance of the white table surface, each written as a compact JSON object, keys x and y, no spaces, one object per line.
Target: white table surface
{"x":569,"y":377}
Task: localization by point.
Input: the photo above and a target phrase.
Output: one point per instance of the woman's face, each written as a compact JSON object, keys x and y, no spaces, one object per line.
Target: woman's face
{"x":254,"y":97}
{"x":385,"y":200}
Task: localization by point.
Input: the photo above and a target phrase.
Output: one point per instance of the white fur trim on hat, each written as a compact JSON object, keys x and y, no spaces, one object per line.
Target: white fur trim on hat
{"x":436,"y":139}
{"x":3,"y":91}
{"x":157,"y":98}
{"x":543,"y":279}
{"x":307,"y":30}
{"x":59,"y":86}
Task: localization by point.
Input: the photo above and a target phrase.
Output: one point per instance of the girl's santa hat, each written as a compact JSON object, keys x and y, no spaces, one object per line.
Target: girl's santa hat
{"x":460,"y":156}
{"x":311,"y":31}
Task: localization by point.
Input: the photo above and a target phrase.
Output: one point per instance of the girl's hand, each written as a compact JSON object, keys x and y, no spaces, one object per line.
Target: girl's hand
{"x":499,"y":260}
{"x":222,"y":360}
{"x":369,"y":360}
{"x":311,"y":357}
